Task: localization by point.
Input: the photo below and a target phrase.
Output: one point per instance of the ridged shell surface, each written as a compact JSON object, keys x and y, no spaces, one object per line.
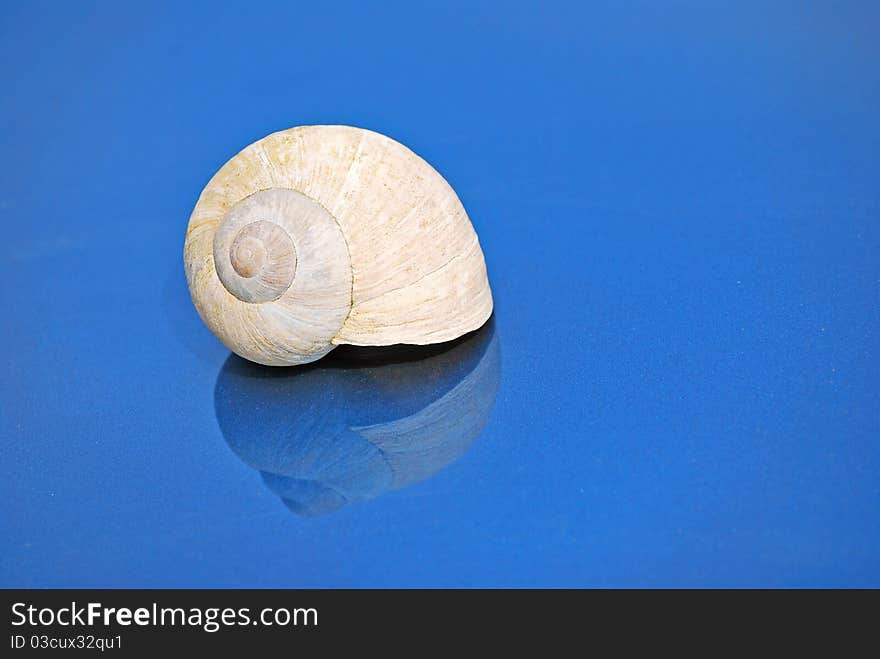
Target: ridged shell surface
{"x":322,"y":235}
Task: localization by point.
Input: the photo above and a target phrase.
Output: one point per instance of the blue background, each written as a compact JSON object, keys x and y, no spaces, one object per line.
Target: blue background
{"x":679,"y":204}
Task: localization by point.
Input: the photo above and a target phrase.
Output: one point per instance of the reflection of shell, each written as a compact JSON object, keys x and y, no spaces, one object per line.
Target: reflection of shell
{"x":325,"y":235}
{"x":339,"y":432}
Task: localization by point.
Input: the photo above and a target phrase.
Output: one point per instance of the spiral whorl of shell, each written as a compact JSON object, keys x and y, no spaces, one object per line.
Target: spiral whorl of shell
{"x":322,"y":235}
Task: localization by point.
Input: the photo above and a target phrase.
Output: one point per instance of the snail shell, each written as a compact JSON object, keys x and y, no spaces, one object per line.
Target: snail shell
{"x":318,"y":236}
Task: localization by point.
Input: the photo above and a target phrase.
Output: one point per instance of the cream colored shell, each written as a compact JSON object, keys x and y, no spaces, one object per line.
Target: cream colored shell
{"x":323,"y":235}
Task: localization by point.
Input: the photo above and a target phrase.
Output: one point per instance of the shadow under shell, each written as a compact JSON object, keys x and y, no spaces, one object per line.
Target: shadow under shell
{"x":361,"y":421}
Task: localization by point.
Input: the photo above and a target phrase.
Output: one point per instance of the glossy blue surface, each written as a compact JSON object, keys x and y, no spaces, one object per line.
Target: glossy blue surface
{"x":679,"y":206}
